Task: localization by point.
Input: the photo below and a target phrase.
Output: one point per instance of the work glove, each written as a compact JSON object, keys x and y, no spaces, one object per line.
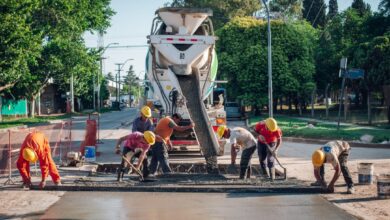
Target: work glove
{"x":117,"y":150}
{"x":27,"y":185}
{"x":42,"y":184}
{"x":330,"y":189}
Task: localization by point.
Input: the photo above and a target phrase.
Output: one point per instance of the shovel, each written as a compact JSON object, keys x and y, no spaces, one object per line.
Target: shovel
{"x":133,"y":167}
{"x":276,"y":158}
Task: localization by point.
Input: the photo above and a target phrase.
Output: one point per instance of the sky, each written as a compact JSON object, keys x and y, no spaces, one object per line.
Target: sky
{"x":132,"y":23}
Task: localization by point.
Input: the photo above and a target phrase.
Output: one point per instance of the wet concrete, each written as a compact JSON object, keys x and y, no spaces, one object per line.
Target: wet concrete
{"x":140,"y":205}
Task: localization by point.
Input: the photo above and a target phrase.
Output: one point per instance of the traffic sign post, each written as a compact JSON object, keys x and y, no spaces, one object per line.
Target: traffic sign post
{"x":346,"y":74}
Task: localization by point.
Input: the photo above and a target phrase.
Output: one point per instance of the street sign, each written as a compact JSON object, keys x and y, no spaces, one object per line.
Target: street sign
{"x":343,"y":63}
{"x":355,"y":74}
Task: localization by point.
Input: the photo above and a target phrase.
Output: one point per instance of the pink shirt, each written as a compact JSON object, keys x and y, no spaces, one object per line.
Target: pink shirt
{"x":135,"y":140}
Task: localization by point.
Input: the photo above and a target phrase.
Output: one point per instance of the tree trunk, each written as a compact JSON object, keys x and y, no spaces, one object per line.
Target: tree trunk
{"x":275,"y":104}
{"x":369,"y":107}
{"x":31,"y":112}
{"x":300,"y":107}
{"x":313,"y":93}
{"x":388,"y":114}
{"x":281,"y":104}
{"x":346,"y":103}
{"x":1,"y":109}
{"x":327,"y":101}
{"x":364,"y":98}
{"x":289,"y":105}
{"x":6,"y":86}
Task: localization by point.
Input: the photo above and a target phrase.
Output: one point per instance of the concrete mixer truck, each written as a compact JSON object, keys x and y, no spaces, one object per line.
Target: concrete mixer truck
{"x":181,"y":69}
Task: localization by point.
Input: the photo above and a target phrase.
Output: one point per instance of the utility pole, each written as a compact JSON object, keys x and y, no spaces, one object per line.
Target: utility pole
{"x":71,"y":94}
{"x":117,"y":76}
{"x":270,"y":98}
{"x":120,"y":67}
{"x":93,"y":92}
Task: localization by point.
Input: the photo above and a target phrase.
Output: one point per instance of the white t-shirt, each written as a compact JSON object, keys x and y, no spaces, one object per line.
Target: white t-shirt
{"x":242,"y":137}
{"x":332,"y":151}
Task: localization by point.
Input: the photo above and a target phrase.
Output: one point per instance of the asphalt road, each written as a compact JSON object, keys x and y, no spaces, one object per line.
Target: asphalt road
{"x":139,"y":205}
{"x":112,"y":126}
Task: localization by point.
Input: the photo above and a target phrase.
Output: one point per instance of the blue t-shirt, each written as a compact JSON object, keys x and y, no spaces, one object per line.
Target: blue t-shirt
{"x":142,"y":126}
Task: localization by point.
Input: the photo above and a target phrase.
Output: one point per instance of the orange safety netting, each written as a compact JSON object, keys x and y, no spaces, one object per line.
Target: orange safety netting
{"x":90,"y":135}
{"x":10,"y":141}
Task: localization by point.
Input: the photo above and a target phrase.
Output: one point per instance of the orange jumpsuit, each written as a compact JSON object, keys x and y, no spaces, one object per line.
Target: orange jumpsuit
{"x":39,"y":143}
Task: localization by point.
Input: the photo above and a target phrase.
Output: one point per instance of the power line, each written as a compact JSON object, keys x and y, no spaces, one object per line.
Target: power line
{"x":318,"y":13}
{"x":312,"y":1}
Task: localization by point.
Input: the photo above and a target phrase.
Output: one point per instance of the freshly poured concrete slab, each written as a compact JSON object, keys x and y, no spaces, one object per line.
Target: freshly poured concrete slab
{"x":142,"y":205}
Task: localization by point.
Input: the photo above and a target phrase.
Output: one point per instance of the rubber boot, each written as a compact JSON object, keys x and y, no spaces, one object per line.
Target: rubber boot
{"x":242,"y":173}
{"x":120,"y":176}
{"x":248,"y":172}
{"x":272,"y":173}
{"x":263,"y":172}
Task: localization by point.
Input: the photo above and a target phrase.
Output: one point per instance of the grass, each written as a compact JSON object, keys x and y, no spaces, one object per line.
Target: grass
{"x":13,"y":122}
{"x":293,"y":127}
{"x":19,"y":121}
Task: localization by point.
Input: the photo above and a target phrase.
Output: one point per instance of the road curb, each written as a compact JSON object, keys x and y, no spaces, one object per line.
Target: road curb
{"x":13,"y":128}
{"x":192,"y":189}
{"x":322,"y":141}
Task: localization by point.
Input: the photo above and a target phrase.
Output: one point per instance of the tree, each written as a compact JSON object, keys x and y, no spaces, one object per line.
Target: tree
{"x":58,"y":26}
{"x":289,"y":9}
{"x":333,"y":9}
{"x":223,"y":10}
{"x":19,"y":46}
{"x":384,"y":7}
{"x":110,"y":76}
{"x":361,"y":7}
{"x":130,"y":81}
{"x":314,"y":12}
{"x":244,"y":65}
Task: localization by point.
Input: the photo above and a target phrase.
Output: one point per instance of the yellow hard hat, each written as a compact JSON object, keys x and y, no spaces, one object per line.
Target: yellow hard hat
{"x":221,"y":131}
{"x":318,"y":158}
{"x":271,"y":124}
{"x":145,"y":111}
{"x":29,"y":155}
{"x":150,"y":137}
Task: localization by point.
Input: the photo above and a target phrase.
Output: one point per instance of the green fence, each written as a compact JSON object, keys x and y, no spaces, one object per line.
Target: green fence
{"x":14,"y":107}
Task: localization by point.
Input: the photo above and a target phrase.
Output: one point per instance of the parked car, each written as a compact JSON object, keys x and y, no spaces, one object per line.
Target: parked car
{"x":233,"y":110}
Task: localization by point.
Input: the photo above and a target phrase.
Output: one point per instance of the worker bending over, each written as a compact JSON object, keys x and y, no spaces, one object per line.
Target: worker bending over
{"x":36,"y":147}
{"x":335,"y":153}
{"x":268,"y":134}
{"x":164,"y":129}
{"x":239,"y":138}
{"x":136,"y":145}
{"x":141,"y":124}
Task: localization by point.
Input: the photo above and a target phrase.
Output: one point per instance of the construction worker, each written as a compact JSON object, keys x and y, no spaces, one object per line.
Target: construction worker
{"x":269,"y":141}
{"x":240,"y":138}
{"x":335,"y":153}
{"x":136,"y":145}
{"x":164,"y":129}
{"x":35,"y":148}
{"x":143,"y":122}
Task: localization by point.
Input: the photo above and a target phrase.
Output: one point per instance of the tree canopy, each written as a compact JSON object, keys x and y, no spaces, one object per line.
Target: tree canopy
{"x":43,"y":40}
{"x":245,"y":65}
